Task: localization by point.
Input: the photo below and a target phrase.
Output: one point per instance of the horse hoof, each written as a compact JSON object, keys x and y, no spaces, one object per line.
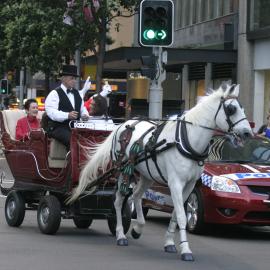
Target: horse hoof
{"x":170,"y":249}
{"x":188,"y":257}
{"x":134,"y":234}
{"x":122,"y":242}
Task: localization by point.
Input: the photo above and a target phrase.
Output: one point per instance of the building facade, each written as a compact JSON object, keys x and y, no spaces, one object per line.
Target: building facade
{"x":242,"y":25}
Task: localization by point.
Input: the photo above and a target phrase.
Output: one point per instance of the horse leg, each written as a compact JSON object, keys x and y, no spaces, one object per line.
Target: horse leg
{"x":138,"y":192}
{"x":120,"y":236}
{"x":176,"y":193}
{"x":170,"y":234}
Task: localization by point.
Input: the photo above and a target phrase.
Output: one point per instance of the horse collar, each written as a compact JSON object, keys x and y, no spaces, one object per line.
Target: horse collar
{"x":184,"y":147}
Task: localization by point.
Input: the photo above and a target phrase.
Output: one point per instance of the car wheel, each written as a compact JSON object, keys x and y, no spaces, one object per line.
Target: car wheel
{"x":126,"y":220}
{"x":133,"y":210}
{"x":82,"y":223}
{"x":49,"y":214}
{"x":134,"y":213}
{"x":14,"y":209}
{"x":195,"y":212}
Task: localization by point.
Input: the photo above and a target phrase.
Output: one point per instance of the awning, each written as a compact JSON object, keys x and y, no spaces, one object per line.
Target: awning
{"x":124,"y":59}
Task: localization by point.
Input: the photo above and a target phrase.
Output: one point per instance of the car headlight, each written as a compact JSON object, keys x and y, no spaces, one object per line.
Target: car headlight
{"x":220,"y":183}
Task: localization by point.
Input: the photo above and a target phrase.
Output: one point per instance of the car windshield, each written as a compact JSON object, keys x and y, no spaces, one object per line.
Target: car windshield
{"x":255,"y":150}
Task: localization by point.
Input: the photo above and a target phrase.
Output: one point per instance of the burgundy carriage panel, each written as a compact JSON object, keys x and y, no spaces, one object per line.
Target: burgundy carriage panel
{"x":81,"y":142}
{"x":28,"y":160}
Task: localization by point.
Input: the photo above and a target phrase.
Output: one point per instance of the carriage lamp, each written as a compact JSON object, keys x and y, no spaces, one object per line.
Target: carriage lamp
{"x":221,"y":183}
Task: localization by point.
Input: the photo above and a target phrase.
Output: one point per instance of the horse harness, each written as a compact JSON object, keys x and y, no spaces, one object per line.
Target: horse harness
{"x":139,"y":153}
{"x":229,"y":111}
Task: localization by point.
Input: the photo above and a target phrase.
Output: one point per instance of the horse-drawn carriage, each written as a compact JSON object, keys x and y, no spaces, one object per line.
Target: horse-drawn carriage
{"x":171,"y":154}
{"x":45,"y":173}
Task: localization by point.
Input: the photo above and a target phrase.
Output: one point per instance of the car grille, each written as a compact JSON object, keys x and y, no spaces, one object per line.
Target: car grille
{"x":260,"y":190}
{"x":258,"y":216}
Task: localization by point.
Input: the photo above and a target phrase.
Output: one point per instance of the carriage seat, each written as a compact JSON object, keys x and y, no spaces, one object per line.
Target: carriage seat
{"x":57,"y":154}
{"x":11,"y":117}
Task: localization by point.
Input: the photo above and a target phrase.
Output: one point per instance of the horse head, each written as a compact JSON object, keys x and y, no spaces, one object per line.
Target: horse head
{"x":230,"y":115}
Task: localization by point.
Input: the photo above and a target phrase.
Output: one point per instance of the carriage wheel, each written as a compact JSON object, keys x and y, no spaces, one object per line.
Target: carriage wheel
{"x":14,"y":209}
{"x":49,"y":214}
{"x":126,"y":220}
{"x":82,"y":223}
{"x":195,"y":212}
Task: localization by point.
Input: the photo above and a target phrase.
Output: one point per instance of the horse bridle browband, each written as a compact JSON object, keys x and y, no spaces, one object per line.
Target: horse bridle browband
{"x":229,"y":110}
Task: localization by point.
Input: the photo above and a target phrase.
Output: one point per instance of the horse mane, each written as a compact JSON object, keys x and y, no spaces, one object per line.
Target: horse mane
{"x":203,"y":109}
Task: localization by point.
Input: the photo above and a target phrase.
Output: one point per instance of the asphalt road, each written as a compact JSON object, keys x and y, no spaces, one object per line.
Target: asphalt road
{"x":26,"y":248}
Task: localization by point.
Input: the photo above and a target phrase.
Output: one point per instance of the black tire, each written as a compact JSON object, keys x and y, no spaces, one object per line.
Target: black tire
{"x":126,"y":220}
{"x":49,"y":214}
{"x":82,"y":223}
{"x":14,"y":209}
{"x":134,"y":213}
{"x":195,"y":212}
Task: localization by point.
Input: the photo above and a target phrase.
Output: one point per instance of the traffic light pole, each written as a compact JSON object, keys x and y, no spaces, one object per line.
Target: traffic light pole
{"x":156,"y":90}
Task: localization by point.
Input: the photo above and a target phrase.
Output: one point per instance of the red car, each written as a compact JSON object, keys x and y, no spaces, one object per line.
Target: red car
{"x":234,"y":187}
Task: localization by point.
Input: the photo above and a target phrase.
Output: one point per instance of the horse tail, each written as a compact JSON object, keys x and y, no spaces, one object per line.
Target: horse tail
{"x":98,"y":159}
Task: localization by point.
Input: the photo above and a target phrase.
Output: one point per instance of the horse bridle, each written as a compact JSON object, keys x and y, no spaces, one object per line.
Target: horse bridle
{"x":229,"y":110}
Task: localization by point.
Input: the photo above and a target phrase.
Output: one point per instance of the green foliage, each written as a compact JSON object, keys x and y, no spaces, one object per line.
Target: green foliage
{"x":32,"y":33}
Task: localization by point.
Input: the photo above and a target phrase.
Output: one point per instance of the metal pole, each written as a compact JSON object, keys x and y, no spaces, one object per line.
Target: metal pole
{"x":78,"y":64}
{"x":156,"y":90}
{"x":21,"y":87}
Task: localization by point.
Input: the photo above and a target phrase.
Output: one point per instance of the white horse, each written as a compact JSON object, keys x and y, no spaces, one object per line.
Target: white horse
{"x":185,"y":143}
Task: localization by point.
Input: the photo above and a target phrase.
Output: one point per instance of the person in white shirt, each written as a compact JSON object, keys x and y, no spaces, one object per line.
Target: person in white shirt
{"x":63,"y":105}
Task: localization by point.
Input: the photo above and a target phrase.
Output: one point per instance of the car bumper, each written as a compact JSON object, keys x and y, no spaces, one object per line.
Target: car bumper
{"x":231,"y":208}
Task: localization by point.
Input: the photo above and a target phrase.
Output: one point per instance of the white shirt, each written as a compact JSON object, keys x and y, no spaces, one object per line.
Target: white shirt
{"x":52,"y":103}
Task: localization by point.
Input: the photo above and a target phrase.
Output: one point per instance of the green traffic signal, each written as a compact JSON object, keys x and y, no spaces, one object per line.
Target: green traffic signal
{"x":149,"y":34}
{"x":4,"y":86}
{"x":156,"y":23}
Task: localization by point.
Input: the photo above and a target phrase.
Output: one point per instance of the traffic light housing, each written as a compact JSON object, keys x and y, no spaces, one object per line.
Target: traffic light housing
{"x":4,"y":86}
{"x":156,"y":23}
{"x":149,"y":66}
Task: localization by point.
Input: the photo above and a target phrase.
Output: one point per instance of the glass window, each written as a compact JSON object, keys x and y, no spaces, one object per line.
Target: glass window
{"x":255,"y":150}
{"x":204,"y":7}
{"x":178,"y":13}
{"x":187,"y":13}
{"x":195,"y":11}
{"x":260,"y":10}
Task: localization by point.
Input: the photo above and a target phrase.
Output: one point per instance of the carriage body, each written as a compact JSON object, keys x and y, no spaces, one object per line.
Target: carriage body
{"x":45,"y":173}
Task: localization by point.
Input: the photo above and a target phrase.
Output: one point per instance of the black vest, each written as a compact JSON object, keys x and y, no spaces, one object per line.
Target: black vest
{"x":65,"y":106}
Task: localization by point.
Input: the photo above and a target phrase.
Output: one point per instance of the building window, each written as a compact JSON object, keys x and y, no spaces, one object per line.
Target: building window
{"x":261,"y":14}
{"x":187,"y":13}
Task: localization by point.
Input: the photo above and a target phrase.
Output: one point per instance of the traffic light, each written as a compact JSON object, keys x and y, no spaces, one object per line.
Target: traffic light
{"x":156,"y":23}
{"x":149,"y":68}
{"x":4,"y":86}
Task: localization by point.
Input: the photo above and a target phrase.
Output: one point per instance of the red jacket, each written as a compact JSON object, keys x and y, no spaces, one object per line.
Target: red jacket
{"x":24,"y":126}
{"x":87,"y":103}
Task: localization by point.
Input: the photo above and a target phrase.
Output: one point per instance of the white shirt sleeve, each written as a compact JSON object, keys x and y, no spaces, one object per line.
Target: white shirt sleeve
{"x":51,"y":107}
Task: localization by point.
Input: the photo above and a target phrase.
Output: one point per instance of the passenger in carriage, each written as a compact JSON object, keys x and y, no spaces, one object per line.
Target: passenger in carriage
{"x":63,"y":105}
{"x":29,"y":122}
{"x":99,"y":111}
{"x":106,"y":89}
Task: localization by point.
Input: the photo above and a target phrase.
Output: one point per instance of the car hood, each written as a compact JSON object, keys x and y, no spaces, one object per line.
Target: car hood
{"x":252,"y":174}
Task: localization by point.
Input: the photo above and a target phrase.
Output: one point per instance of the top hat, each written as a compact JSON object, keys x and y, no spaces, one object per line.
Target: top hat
{"x":69,"y":70}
